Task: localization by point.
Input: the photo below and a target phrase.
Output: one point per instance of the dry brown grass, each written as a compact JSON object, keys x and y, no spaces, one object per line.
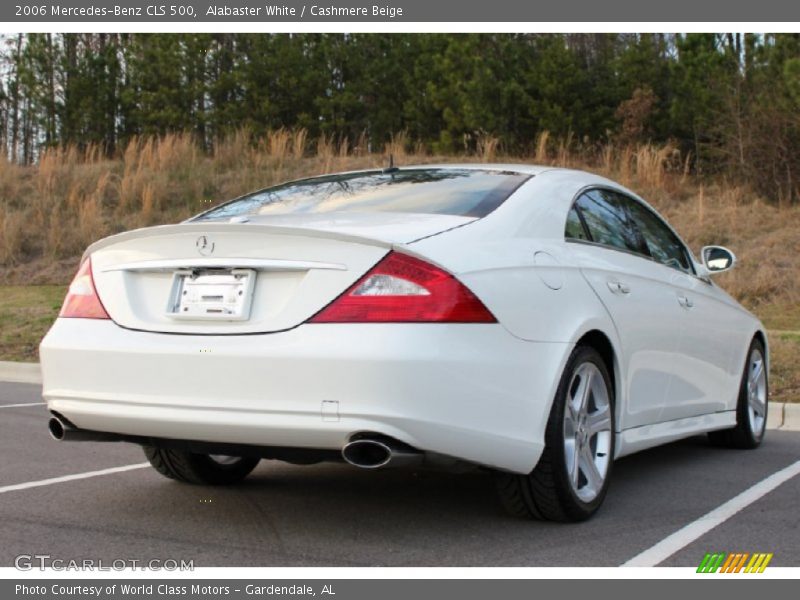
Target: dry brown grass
{"x":397,"y":146}
{"x":54,"y":209}
{"x":51,"y":211}
{"x":540,"y":156}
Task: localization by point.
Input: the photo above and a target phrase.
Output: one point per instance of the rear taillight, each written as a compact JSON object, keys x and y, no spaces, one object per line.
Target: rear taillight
{"x":82,"y":301}
{"x":404,"y":289}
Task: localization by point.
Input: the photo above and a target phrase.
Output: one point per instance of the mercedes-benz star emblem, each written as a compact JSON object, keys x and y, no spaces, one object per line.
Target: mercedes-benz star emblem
{"x":204,"y":245}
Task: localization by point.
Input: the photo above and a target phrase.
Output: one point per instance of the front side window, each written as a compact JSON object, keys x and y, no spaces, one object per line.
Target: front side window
{"x":664,"y":245}
{"x":443,"y":191}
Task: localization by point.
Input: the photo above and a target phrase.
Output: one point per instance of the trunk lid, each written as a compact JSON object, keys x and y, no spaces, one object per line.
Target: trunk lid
{"x":285,"y":269}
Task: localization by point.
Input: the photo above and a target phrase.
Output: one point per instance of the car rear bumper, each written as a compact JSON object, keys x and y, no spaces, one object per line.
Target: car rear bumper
{"x":472,"y":392}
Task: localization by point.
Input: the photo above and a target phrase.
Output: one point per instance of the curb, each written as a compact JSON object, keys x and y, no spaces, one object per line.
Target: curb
{"x":775,"y":414}
{"x":19,"y":372}
{"x":791,"y":417}
{"x":782,"y":415}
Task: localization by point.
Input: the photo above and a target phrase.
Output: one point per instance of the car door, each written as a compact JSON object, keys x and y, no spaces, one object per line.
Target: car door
{"x":702,"y":379}
{"x":637,"y":292}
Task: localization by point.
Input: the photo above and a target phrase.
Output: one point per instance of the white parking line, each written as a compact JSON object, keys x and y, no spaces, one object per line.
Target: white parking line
{"x":65,"y":478}
{"x":19,"y":405}
{"x":685,"y":536}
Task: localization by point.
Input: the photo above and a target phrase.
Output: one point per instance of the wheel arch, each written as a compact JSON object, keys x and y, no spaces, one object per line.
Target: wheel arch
{"x":761,"y":336}
{"x":608,"y":347}
{"x":600,"y":342}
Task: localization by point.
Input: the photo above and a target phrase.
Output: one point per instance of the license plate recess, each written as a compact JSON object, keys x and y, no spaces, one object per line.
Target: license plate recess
{"x":211,"y":294}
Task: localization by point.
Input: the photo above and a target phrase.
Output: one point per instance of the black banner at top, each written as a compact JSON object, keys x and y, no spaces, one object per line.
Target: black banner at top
{"x":439,"y":11}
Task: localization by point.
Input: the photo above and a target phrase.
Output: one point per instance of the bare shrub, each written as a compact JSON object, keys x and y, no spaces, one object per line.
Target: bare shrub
{"x":486,"y":147}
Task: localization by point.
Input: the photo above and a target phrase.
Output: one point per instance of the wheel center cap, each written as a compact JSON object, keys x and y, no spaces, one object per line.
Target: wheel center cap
{"x":582,"y":435}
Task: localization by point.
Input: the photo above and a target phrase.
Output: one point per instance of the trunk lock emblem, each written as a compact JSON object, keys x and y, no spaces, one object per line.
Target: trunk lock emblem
{"x":204,"y":246}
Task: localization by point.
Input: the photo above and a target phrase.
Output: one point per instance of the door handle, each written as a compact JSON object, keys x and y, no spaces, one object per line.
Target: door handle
{"x":617,"y":287}
{"x":685,"y":301}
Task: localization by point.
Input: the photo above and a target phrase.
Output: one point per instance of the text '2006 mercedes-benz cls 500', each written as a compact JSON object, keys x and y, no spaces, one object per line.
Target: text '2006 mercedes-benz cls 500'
{"x":534,"y":321}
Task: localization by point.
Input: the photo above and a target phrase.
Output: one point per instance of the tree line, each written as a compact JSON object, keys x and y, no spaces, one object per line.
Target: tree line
{"x":729,"y":102}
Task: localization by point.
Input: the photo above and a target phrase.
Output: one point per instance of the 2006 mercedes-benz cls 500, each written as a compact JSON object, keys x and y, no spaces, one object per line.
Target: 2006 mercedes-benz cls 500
{"x":538,"y":322}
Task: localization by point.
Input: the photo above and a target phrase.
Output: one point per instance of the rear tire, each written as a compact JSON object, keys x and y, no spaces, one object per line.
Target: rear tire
{"x":751,"y":408}
{"x":201,"y":469}
{"x":571,"y":479}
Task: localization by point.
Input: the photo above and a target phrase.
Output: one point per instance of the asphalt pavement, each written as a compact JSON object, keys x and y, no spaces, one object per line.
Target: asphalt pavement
{"x":337,"y":515}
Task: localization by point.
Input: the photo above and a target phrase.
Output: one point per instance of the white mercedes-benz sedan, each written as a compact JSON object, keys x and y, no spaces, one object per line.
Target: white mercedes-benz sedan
{"x":535,"y":321}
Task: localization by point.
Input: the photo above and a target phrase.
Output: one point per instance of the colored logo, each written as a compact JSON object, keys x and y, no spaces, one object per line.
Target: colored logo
{"x":734,"y":562}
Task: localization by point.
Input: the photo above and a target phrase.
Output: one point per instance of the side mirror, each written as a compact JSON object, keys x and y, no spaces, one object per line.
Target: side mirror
{"x":717,"y":259}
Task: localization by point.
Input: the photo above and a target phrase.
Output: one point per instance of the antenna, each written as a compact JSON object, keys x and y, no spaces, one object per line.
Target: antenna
{"x":391,"y":168}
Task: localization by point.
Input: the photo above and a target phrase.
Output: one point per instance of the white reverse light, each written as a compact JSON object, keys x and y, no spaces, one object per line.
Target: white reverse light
{"x":388,"y":285}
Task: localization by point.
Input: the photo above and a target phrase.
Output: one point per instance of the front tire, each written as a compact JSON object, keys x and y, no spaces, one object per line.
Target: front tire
{"x":571,"y":479}
{"x":201,"y":469}
{"x":751,"y":408}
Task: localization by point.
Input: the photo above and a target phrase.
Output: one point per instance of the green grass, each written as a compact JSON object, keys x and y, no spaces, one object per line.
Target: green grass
{"x":780,"y":317}
{"x":784,"y":372}
{"x":783,"y":327}
{"x":26,"y":313}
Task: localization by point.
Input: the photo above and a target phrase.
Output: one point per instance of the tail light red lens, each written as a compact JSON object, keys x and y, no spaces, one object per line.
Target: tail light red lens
{"x":404,"y":289}
{"x":82,"y":301}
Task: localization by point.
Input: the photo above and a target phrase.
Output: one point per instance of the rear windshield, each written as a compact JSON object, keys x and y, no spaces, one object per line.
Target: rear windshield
{"x":462,"y":192}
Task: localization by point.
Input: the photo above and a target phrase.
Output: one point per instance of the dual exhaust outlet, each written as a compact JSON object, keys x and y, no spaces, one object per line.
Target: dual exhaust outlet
{"x":364,"y":452}
{"x":379,"y":451}
{"x":61,"y":430}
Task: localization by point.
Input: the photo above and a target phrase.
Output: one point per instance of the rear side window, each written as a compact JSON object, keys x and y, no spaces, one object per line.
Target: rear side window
{"x":575,"y":229}
{"x":608,"y":221}
{"x":445,"y":191}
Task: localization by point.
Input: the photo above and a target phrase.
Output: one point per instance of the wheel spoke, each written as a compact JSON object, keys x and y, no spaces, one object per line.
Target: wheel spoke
{"x":587,"y":391}
{"x":755,"y":374}
{"x":594,"y":481}
{"x":575,"y":403}
{"x":756,"y":405}
{"x":574,"y":467}
{"x":573,"y":413}
{"x":599,"y":421}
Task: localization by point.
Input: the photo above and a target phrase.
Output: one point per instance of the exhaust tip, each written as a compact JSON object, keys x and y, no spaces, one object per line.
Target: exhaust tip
{"x":56,"y":429}
{"x":367,"y":454}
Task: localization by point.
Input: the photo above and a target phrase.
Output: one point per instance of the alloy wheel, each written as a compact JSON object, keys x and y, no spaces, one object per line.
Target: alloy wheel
{"x":756,"y":392}
{"x":587,"y":432}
